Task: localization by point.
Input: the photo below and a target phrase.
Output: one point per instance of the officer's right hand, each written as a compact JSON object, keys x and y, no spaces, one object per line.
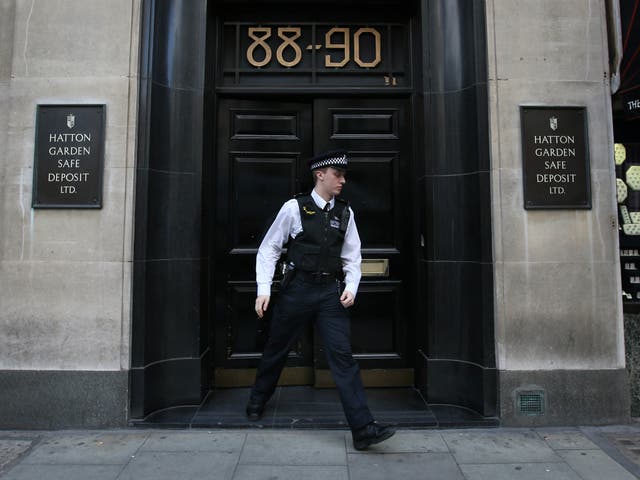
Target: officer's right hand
{"x":262,"y":303}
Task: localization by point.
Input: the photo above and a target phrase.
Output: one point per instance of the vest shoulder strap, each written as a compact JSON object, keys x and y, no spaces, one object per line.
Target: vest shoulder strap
{"x":306,"y":205}
{"x":345,"y":215}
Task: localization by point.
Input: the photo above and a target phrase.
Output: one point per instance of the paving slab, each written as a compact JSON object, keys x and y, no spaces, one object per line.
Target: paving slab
{"x":88,"y":448}
{"x":425,"y":466}
{"x":404,"y":442}
{"x":294,"y":448}
{"x":520,"y":471}
{"x":11,"y":449}
{"x":608,"y":439}
{"x":566,"y":440}
{"x":595,"y":465}
{"x":288,"y":472}
{"x":180,"y":466}
{"x":499,"y":447}
{"x":628,"y":444}
{"x":64,"y":472}
{"x":195,"y":441}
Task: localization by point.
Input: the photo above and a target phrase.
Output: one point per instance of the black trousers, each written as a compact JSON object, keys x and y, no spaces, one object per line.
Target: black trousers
{"x":301,"y":301}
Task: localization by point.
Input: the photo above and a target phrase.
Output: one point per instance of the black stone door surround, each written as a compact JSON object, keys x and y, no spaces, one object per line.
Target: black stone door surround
{"x":171,"y":342}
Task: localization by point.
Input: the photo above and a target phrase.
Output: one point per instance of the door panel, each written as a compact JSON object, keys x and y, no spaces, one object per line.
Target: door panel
{"x":374,"y":131}
{"x":271,"y":174}
{"x":261,"y":150}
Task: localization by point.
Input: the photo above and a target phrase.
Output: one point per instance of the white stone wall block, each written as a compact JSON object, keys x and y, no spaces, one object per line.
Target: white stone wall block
{"x":494,"y":122}
{"x":129,"y":183}
{"x":557,"y":235}
{"x":134,"y":49}
{"x":7,"y":21}
{"x":4,"y":141}
{"x":125,"y":339}
{"x":27,"y":93}
{"x":63,"y":234}
{"x":500,"y":305}
{"x":560,"y":316}
{"x":132,"y":146}
{"x":491,"y":47}
{"x":509,"y":209}
{"x":71,"y":38}
{"x":496,"y":221}
{"x":20,"y":147}
{"x":116,"y":144}
{"x":15,"y":213}
{"x":60,"y":315}
{"x":545,"y":39}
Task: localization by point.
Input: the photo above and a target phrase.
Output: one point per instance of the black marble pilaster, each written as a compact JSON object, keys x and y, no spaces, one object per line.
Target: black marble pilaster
{"x":457,"y":364}
{"x":169,"y":333}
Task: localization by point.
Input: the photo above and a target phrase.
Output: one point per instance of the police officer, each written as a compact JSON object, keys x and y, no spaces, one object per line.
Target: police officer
{"x":324,"y":247}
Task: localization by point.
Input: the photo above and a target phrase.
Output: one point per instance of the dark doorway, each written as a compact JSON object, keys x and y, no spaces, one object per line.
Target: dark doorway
{"x":262,"y":148}
{"x":198,"y":56}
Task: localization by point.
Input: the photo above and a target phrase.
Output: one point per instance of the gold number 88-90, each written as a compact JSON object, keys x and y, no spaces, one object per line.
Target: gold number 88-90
{"x":289,"y":35}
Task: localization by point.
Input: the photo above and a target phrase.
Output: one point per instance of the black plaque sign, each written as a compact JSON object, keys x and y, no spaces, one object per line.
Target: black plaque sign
{"x":69,"y":156}
{"x":555,"y":158}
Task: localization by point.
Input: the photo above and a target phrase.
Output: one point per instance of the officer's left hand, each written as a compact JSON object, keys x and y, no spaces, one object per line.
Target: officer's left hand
{"x":347,"y":299}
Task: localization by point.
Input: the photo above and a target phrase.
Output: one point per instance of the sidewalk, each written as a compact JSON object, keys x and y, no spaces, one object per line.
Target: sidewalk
{"x":588,"y":453}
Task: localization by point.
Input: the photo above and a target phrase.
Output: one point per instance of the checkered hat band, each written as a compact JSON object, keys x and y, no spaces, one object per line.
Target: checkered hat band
{"x":329,"y":162}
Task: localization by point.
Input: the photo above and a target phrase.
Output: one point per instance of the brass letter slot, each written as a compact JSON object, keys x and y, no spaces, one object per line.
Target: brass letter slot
{"x":375,"y":267}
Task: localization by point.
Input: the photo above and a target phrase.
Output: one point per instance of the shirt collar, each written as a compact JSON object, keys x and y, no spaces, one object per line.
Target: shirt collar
{"x":321,"y":202}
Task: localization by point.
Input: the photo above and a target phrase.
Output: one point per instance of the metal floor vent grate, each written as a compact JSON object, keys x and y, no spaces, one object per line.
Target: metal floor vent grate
{"x":530,"y":403}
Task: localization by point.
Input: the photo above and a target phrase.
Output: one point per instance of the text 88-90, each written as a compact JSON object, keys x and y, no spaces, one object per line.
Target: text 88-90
{"x":289,"y":47}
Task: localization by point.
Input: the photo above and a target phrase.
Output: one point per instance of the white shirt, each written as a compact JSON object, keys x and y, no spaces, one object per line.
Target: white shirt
{"x":288,"y":224}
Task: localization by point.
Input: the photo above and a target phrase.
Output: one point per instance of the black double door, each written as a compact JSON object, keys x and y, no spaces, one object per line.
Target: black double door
{"x":261,"y":152}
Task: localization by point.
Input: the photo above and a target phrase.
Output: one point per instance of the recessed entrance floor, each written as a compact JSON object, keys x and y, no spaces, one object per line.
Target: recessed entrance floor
{"x":308,"y":407}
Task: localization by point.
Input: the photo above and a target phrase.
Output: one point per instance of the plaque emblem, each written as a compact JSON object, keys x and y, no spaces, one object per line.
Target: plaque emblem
{"x":71,"y":120}
{"x":553,"y":123}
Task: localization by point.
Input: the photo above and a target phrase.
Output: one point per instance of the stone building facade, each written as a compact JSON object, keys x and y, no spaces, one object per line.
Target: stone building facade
{"x":94,"y":327}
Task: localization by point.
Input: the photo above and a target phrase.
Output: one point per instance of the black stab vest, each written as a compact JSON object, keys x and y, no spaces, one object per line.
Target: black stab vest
{"x":318,"y":247}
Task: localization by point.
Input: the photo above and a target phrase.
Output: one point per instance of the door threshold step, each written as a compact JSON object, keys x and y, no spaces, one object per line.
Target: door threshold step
{"x":311,"y":408}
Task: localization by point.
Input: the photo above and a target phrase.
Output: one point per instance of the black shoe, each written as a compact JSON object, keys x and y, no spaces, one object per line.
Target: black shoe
{"x":371,"y":434}
{"x":254,"y":410}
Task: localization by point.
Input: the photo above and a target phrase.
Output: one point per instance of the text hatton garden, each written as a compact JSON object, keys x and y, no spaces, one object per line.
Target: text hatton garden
{"x":68,"y":160}
{"x":555,"y":151}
